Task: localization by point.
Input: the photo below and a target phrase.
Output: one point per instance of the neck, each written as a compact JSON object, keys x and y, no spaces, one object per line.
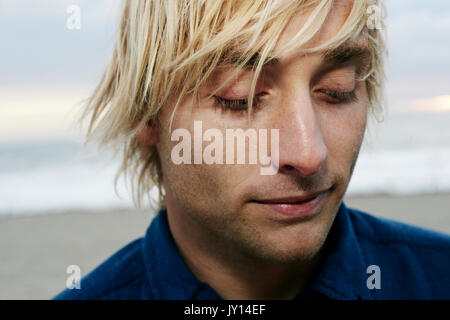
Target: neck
{"x":234,"y":274}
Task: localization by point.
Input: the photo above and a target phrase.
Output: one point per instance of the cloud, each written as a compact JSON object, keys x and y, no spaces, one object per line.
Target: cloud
{"x":40,"y":111}
{"x":40,"y":48}
{"x":436,"y":104}
{"x":418,"y":63}
{"x":23,"y":11}
{"x":417,"y":37}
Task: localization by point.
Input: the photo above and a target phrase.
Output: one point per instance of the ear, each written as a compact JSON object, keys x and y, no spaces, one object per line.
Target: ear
{"x":148,"y":136}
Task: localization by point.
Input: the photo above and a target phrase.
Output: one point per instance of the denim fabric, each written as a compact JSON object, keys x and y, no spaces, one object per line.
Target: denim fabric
{"x":414,"y":263}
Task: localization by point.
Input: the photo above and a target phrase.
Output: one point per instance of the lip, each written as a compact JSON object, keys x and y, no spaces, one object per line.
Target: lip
{"x":301,"y":206}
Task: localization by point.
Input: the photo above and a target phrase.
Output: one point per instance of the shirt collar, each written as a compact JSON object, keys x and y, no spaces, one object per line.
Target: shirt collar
{"x":341,"y":275}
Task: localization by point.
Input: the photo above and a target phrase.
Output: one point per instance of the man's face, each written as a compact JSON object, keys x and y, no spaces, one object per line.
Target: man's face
{"x":320,"y":111}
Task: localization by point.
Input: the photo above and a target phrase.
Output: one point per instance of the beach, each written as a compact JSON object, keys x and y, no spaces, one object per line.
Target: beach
{"x":35,"y":250}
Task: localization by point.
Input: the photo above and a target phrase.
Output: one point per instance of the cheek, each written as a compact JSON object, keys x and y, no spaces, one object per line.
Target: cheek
{"x":343,"y":132}
{"x":207,"y":187}
{"x":187,"y":183}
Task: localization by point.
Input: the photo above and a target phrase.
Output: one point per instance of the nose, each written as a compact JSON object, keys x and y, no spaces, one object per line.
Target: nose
{"x":302,"y":147}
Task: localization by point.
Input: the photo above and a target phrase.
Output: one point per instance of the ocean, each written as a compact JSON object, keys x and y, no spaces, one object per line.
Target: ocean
{"x":406,"y":154}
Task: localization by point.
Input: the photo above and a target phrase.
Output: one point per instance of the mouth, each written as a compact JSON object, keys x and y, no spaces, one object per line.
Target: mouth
{"x":296,"y":206}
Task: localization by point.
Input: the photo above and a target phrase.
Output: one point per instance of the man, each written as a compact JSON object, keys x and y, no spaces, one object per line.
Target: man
{"x":305,"y":74}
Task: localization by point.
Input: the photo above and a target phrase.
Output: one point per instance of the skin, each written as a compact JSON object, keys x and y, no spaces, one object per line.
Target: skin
{"x":239,"y":247}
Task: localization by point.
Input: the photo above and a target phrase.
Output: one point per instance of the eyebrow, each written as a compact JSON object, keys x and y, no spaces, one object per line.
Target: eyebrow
{"x":237,"y":58}
{"x":348,"y":51}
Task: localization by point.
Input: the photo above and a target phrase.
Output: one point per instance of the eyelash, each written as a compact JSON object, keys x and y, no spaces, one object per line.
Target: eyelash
{"x":236,"y":105}
{"x":241,"y":104}
{"x":340,"y":97}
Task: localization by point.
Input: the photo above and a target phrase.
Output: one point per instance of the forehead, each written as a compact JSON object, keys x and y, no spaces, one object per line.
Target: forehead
{"x":338,"y":14}
{"x":300,"y":36}
{"x":356,"y":46}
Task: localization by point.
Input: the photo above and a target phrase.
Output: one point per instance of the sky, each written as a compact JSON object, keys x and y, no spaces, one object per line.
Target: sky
{"x":47,"y":69}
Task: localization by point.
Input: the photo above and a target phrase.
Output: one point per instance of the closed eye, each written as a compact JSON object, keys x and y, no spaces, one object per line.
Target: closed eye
{"x":337,"y":97}
{"x":236,"y":104}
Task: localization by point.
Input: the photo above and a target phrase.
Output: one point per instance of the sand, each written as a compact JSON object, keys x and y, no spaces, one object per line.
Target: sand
{"x":36,"y":250}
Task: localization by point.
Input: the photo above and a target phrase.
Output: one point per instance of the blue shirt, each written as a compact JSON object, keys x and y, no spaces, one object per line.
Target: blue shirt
{"x":368,"y":258}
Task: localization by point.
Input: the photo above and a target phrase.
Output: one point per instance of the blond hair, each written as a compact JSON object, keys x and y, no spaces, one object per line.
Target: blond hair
{"x":173,"y":46}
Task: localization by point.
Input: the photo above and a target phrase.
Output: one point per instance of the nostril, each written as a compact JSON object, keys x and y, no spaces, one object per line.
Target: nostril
{"x":304,"y":171}
{"x":287,"y":169}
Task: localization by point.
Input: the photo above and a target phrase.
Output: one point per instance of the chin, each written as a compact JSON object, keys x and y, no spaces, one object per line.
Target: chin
{"x":289,"y":245}
{"x":289,"y":242}
{"x":305,"y":251}
{"x":291,"y":256}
